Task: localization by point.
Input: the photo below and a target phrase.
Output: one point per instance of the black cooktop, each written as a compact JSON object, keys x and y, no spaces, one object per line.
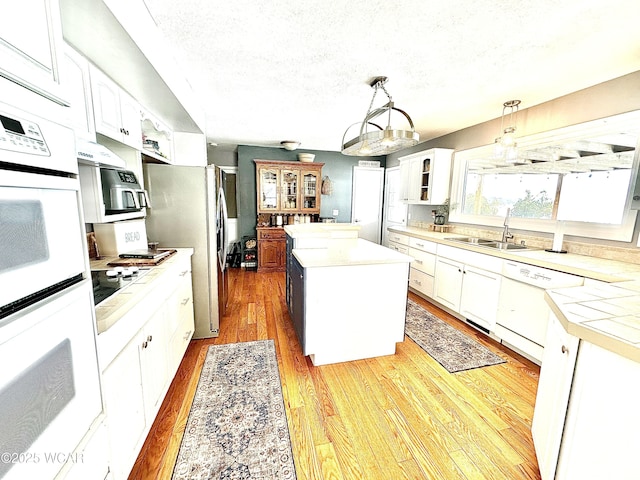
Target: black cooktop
{"x":108,"y":282}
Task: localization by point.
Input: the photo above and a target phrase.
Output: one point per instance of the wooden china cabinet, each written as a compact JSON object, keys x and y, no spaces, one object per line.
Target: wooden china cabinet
{"x":284,"y":190}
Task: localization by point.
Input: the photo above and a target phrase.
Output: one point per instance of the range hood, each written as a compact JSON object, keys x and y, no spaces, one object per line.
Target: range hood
{"x":92,"y":153}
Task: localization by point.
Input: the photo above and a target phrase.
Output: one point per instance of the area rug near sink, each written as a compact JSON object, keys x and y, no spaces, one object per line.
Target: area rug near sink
{"x":454,"y":350}
{"x":237,"y":426}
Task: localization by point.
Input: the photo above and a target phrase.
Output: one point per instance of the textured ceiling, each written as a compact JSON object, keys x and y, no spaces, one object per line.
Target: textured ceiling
{"x":268,"y":71}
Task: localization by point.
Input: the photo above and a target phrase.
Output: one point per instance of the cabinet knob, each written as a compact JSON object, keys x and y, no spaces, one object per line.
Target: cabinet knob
{"x":145,"y":345}
{"x":419,"y":261}
{"x":565,"y":349}
{"x":149,"y":338}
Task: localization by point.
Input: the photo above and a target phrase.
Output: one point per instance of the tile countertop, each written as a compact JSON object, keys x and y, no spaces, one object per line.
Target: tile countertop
{"x":605,"y":314}
{"x":359,"y":252}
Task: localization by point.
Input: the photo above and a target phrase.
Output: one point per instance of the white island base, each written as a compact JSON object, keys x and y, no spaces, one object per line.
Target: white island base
{"x":355,"y":302}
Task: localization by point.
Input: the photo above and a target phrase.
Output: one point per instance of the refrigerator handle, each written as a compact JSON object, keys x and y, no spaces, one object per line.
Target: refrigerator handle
{"x":223,"y":226}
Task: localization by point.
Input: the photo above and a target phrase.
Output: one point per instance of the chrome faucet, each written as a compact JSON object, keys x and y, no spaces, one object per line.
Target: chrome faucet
{"x":506,"y":234}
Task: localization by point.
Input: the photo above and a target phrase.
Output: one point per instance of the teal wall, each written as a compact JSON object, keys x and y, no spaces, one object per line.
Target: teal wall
{"x":338,"y":167}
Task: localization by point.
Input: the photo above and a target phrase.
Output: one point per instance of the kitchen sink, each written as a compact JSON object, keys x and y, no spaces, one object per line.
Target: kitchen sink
{"x":485,"y":242}
{"x":473,"y":240}
{"x":505,"y":246}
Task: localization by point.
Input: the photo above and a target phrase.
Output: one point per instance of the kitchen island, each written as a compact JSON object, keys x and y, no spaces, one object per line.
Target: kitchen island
{"x":348,"y":300}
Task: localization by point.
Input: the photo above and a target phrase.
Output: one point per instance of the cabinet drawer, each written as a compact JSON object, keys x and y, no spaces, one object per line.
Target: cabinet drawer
{"x":181,"y":302}
{"x":424,"y":245}
{"x":399,"y":248}
{"x":398,"y":238}
{"x":274,"y":234}
{"x":423,"y":261}
{"x":421,"y":282}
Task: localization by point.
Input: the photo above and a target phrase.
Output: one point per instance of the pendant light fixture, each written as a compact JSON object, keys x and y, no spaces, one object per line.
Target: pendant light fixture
{"x":290,"y":144}
{"x":379,"y":141}
{"x":506,"y":147}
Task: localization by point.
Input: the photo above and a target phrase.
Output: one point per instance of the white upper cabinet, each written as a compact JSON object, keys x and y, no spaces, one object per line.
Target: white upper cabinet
{"x":189,"y":149}
{"x":117,"y":115}
{"x":157,"y":138}
{"x":426,"y":176}
{"x":78,"y":87}
{"x":30,"y":36}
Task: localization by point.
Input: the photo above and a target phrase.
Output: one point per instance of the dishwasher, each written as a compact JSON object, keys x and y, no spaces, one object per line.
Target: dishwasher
{"x":523,"y":313}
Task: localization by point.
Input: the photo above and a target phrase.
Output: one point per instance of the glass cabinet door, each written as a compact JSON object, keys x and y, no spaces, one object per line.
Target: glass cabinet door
{"x":268,"y":189}
{"x":290,"y":180}
{"x":310,"y":191}
{"x":424,"y":182}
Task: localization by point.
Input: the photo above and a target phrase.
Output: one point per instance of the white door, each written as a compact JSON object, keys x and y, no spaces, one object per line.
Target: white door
{"x":448,"y":283}
{"x":395,"y":210}
{"x":366,"y":201}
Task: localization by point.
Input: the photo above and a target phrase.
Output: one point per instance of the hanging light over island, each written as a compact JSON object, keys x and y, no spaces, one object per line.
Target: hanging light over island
{"x":380,"y":141}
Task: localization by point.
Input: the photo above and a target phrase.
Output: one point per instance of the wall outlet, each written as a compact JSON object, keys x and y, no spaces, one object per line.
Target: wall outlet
{"x":335,"y":213}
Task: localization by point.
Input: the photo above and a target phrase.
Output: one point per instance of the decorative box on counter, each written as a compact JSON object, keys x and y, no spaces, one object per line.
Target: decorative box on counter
{"x":120,"y":237}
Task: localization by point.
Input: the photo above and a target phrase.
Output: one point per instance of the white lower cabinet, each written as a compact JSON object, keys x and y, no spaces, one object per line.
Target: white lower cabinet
{"x":448,"y":287}
{"x":423,"y":266}
{"x":552,"y":398}
{"x":181,"y":322}
{"x":421,"y":282}
{"x":135,"y":382}
{"x":152,"y":348}
{"x":123,"y":397}
{"x":421,"y":274}
{"x":399,"y":242}
{"x":467,"y":289}
{"x":600,"y":438}
{"x":89,"y":461}
{"x":586,"y":418}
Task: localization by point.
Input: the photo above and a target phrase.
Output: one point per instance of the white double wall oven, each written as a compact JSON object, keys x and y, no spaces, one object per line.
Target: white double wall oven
{"x":49,"y":380}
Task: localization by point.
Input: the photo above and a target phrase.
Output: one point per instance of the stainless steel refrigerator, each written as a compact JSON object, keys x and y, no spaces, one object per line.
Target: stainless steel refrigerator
{"x":188,"y":209}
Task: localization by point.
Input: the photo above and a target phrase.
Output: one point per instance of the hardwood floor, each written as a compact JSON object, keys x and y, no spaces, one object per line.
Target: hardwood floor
{"x":394,"y":417}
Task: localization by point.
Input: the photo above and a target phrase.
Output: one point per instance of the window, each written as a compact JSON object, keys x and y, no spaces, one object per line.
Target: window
{"x":583,"y":175}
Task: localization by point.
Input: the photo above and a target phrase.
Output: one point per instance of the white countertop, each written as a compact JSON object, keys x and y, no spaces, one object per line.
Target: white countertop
{"x":359,"y":252}
{"x":581,"y":265}
{"x":318,"y":229}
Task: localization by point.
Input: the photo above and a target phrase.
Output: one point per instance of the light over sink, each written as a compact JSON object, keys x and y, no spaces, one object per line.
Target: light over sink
{"x":485,"y":242}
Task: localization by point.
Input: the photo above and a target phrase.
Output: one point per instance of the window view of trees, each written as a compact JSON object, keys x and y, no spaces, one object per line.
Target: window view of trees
{"x":597,"y":196}
{"x":527,"y":195}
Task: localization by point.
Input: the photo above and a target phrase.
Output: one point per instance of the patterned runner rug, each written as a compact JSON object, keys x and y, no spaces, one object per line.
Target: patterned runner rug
{"x":237,"y":427}
{"x":451,"y":348}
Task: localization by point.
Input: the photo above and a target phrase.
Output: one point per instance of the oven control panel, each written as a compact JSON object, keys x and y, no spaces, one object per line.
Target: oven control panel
{"x":23,"y":136}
